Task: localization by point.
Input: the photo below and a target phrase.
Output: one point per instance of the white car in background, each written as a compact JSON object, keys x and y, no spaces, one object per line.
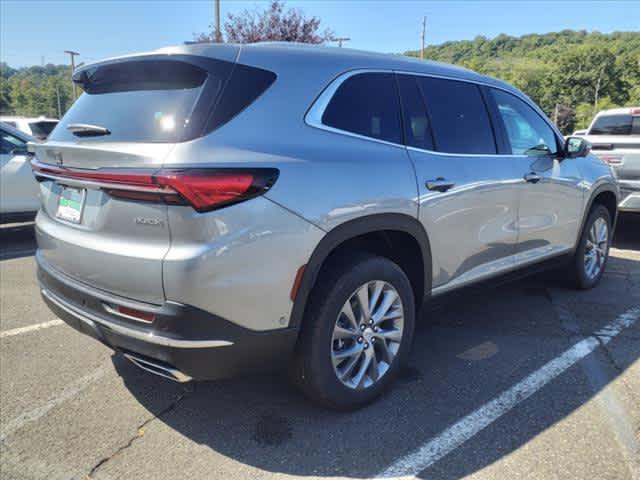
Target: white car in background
{"x":18,"y":188}
{"x":37,"y":127}
{"x":615,"y":138}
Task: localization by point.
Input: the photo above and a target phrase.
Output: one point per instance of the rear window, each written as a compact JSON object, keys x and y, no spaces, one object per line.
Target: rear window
{"x":161,"y":100}
{"x":42,"y":129}
{"x":622,"y":124}
{"x":459,"y":119}
{"x":366,"y":104}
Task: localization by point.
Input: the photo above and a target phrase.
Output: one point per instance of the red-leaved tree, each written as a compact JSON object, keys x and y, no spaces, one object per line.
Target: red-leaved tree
{"x":272,"y":24}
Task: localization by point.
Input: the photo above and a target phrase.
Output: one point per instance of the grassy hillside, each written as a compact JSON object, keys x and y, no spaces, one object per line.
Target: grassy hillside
{"x":580,"y":72}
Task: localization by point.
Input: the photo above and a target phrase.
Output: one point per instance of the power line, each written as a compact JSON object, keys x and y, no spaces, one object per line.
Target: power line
{"x":339,"y":40}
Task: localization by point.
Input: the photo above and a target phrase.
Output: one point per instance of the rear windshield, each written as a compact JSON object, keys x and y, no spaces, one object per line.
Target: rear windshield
{"x":42,"y":129}
{"x":616,"y":125}
{"x":159,"y":100}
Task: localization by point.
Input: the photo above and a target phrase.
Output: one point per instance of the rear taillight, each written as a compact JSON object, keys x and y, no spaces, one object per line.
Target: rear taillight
{"x":203,"y":188}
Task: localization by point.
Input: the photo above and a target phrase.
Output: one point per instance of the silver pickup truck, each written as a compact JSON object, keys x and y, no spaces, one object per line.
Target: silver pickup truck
{"x":615,"y":137}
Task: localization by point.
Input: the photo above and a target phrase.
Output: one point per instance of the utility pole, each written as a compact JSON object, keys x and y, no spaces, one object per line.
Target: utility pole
{"x":217,"y":36}
{"x":597,"y":92}
{"x":73,"y":54}
{"x":340,"y":40}
{"x":58,"y":95}
{"x":424,"y":32}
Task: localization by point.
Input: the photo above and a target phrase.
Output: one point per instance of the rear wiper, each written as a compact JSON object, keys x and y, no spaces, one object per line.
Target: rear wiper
{"x":85,"y":130}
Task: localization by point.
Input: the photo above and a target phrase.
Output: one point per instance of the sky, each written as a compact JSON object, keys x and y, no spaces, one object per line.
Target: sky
{"x":35,"y":31}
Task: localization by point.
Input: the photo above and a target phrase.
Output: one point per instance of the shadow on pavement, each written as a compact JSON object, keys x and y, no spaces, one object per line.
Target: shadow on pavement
{"x":627,"y":232}
{"x":263,"y":422}
{"x":468,"y":350}
{"x":17,"y":240}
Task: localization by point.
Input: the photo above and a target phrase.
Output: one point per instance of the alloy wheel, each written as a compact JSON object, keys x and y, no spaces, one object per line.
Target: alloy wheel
{"x":595,"y":252}
{"x":367,"y":334}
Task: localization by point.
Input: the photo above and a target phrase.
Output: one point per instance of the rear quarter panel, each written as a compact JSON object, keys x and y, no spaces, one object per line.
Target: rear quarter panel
{"x":249,"y":253}
{"x":240,"y":262}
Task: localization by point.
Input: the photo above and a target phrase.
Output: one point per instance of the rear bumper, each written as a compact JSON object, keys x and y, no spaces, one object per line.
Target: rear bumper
{"x":630,"y":196}
{"x":182,"y":342}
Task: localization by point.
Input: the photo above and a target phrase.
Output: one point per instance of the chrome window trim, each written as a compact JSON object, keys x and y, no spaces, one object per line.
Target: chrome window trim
{"x":478,"y":155}
{"x":313,"y":117}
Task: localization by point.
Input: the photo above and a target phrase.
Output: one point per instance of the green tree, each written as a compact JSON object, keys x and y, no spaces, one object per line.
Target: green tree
{"x":577,"y":72}
{"x":34,"y":91}
{"x":271,"y":24}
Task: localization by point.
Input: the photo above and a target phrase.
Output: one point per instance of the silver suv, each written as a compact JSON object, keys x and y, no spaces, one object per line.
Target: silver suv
{"x":215,"y":209}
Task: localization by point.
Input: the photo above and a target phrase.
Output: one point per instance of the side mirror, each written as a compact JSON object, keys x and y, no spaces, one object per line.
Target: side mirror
{"x":575,"y":147}
{"x":21,"y":151}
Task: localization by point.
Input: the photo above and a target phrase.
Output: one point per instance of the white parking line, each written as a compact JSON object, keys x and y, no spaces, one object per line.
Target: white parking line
{"x":30,"y":328}
{"x":67,"y":393}
{"x":619,"y":420}
{"x":454,"y":436}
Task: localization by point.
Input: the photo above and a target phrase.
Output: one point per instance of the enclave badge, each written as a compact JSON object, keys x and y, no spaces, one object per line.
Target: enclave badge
{"x":154,"y":222}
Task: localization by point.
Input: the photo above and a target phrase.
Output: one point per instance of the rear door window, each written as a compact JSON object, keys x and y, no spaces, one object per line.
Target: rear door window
{"x":459,"y":118}
{"x":161,"y":100}
{"x":366,"y":104}
{"x":417,"y":128}
{"x":614,"y":125}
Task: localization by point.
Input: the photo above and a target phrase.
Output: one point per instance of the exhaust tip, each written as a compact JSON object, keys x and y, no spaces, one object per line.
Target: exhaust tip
{"x":158,"y":368}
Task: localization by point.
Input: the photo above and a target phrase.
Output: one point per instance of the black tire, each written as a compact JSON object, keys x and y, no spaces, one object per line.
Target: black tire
{"x":313,"y":369}
{"x":578,"y":276}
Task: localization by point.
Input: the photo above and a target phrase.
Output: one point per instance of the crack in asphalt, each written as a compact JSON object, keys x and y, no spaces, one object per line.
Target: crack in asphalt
{"x":572,"y":327}
{"x":139,"y":432}
{"x":617,"y":417}
{"x":610,"y":358}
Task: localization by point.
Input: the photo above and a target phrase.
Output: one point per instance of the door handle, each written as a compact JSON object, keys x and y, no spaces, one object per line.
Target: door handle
{"x":532,"y":177}
{"x":439,"y":184}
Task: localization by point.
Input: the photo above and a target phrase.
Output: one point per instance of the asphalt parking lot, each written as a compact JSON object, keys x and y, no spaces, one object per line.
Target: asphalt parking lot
{"x":525,"y":380}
